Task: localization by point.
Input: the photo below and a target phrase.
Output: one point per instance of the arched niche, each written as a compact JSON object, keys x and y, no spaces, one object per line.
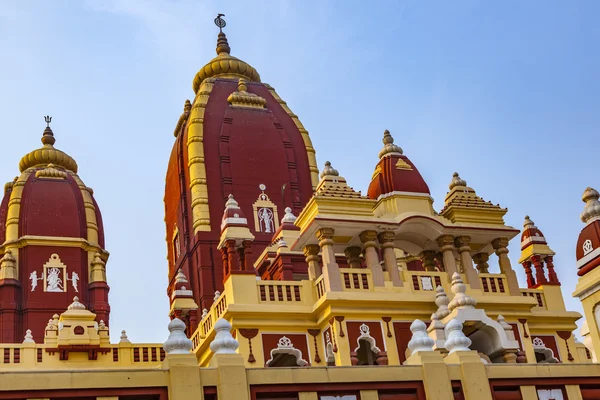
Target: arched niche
{"x":543,"y":355}
{"x":487,"y":336}
{"x":286,"y":355}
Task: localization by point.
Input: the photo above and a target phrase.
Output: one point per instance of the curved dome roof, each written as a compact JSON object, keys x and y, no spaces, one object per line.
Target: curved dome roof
{"x":225,"y":65}
{"x":395,"y":172}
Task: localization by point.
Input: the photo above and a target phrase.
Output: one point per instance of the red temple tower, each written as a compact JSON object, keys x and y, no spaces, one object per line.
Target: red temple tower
{"x":236,"y":137}
{"x":52,"y":244}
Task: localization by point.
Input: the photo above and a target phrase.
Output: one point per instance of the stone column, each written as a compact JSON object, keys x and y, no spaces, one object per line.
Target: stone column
{"x":446,"y":244}
{"x":386,"y":239}
{"x":232,"y":258}
{"x":428,"y":260}
{"x":224,"y":261}
{"x":368,"y":239}
{"x":528,"y":274}
{"x":246,"y":254}
{"x":462,"y":243}
{"x":540,"y":277}
{"x":481,"y":259}
{"x":311,"y":251}
{"x":331,"y":270}
{"x":552,"y":277}
{"x":501,"y":248}
{"x":353,"y":255}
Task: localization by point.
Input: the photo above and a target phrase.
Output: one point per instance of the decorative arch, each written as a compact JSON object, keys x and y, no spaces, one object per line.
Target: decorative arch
{"x":543,"y":354}
{"x":365,"y":335}
{"x":284,"y":348}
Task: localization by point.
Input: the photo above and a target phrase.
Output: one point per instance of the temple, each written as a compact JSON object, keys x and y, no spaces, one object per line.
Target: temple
{"x":285,"y":282}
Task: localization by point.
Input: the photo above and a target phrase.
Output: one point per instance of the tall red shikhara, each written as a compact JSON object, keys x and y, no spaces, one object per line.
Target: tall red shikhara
{"x":255,"y":149}
{"x":52,"y":244}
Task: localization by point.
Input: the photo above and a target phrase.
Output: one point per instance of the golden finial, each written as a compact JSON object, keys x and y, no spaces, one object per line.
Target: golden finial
{"x":48,"y":136}
{"x":388,"y":145}
{"x":222,"y":44}
{"x":242,"y":85}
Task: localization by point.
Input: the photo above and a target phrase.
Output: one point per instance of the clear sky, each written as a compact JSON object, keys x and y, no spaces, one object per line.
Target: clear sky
{"x":505,"y":93}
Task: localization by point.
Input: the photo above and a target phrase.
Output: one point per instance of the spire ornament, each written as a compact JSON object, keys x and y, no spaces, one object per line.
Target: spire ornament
{"x":591,"y":211}
{"x":456,"y":181}
{"x":388,"y":145}
{"x":329,"y":170}
{"x":222,"y":44}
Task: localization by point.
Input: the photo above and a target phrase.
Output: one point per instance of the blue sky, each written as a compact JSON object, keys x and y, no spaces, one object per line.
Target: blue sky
{"x":505,"y":93}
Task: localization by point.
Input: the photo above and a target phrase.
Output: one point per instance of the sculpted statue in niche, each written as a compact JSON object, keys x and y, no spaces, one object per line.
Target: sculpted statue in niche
{"x":54,"y":275}
{"x":265,"y":216}
{"x":53,"y":282}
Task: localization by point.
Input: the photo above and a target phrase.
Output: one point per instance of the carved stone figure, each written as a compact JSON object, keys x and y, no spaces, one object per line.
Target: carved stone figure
{"x":265,"y":216}
{"x":53,"y":282}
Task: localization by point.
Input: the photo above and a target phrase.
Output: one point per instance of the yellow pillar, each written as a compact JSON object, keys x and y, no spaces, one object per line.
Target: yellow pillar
{"x":342,"y":357}
{"x":232,"y":382}
{"x":529,"y":393}
{"x":368,"y":239}
{"x":446,"y":243}
{"x":462,"y":243}
{"x":573,"y":392}
{"x":436,"y":379}
{"x":331,"y":270}
{"x":386,"y":239}
{"x":184,"y":377}
{"x":474,"y":379}
{"x":501,"y":248}
{"x":311,"y":252}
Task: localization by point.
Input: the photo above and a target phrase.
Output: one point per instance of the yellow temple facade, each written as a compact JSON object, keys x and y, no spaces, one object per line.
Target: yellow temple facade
{"x":325,"y":294}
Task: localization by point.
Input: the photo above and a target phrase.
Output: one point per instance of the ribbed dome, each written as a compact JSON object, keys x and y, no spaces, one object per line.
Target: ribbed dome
{"x":225,"y":65}
{"x":47,"y":155}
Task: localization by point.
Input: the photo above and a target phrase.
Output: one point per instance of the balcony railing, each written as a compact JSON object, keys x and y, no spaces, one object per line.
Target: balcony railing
{"x":356,"y":279}
{"x":426,"y":280}
{"x":493,"y":283}
{"x":537,"y":294}
{"x":278,"y":291}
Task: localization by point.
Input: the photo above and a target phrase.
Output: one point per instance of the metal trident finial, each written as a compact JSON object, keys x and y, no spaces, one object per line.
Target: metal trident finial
{"x":220,"y":22}
{"x":48,"y":119}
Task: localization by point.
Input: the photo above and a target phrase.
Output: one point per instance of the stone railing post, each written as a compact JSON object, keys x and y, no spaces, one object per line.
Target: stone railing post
{"x":311,"y":251}
{"x":446,"y":243}
{"x":462,"y":243}
{"x":501,"y":248}
{"x":331,"y":270}
{"x":386,"y":239}
{"x":368,"y":239}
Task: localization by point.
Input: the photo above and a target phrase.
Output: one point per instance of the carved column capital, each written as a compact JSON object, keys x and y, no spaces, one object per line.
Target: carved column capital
{"x":427,"y":258}
{"x":325,"y":236}
{"x":481,"y":259}
{"x":311,"y":250}
{"x":462,"y":243}
{"x":500,"y":244}
{"x":446,"y":242}
{"x":386,"y":238}
{"x":353,"y":255}
{"x":368,"y":238}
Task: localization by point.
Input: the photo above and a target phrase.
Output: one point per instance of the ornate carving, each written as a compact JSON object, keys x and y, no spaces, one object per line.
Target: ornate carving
{"x":243,"y":98}
{"x":339,"y":319}
{"x":249,"y":334}
{"x":387,"y":325}
{"x":285,"y":346}
{"x":314,"y":333}
{"x":51,"y":172}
